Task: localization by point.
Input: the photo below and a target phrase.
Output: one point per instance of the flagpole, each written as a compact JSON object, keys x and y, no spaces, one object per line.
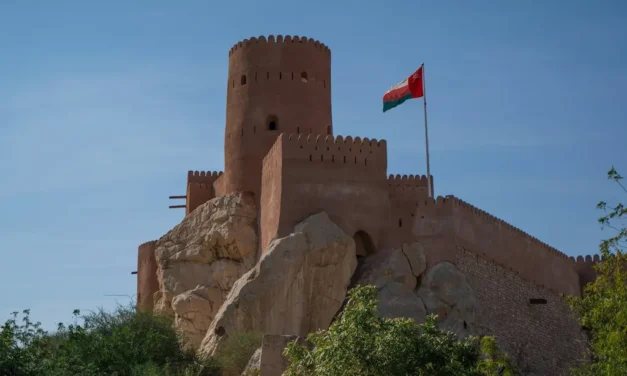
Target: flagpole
{"x":424,"y":98}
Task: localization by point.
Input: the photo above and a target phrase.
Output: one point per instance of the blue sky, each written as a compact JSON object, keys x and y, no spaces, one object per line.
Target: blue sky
{"x":105,"y":106}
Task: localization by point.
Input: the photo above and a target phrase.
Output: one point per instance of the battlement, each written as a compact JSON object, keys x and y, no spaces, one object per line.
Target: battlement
{"x":587,"y":260}
{"x":407,"y":190}
{"x":408,"y":180}
{"x":206,"y":177}
{"x":338,"y":149}
{"x":584,"y":265}
{"x":271,"y":40}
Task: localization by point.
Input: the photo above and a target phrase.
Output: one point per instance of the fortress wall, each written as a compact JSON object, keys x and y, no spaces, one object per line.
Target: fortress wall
{"x":543,"y":339}
{"x":405,"y":193}
{"x":218,"y":186}
{"x":499,"y":241}
{"x":344,"y":177}
{"x":585,"y":268}
{"x":200,"y":188}
{"x":243,"y":170}
{"x":271,"y":193}
{"x":147,"y":283}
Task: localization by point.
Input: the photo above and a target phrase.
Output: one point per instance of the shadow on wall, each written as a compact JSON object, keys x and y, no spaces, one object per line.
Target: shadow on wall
{"x":364,"y":247}
{"x":363,"y":244}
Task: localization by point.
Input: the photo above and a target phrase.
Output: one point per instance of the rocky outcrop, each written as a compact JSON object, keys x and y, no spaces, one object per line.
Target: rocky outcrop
{"x":200,"y":259}
{"x":408,"y":289}
{"x":254,"y":364}
{"x":296,"y":288}
{"x":446,"y":292}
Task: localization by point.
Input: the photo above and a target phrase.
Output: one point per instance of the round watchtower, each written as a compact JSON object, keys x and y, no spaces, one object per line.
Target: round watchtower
{"x":275,"y":85}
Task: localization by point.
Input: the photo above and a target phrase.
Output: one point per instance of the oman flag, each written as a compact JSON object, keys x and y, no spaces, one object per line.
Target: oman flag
{"x":411,"y":87}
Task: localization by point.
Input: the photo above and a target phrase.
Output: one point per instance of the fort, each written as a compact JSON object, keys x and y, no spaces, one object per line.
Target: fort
{"x":280,"y":145}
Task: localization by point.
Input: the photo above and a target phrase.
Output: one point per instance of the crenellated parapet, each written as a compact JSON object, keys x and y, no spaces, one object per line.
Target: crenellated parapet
{"x":584,"y":265}
{"x":406,"y":191}
{"x":200,"y":188}
{"x":204,"y":177}
{"x":329,"y":156}
{"x":304,"y":41}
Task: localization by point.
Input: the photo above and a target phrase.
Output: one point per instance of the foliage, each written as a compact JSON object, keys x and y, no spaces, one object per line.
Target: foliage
{"x":236,"y":351}
{"x":603,"y":307}
{"x":360,"y":342}
{"x":120,"y":343}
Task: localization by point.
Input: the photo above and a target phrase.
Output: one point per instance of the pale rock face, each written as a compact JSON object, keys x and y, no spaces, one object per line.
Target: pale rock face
{"x":416,"y":257}
{"x":254,"y":364}
{"x":200,"y":259}
{"x":395,"y":300}
{"x":386,"y":267}
{"x":296,"y":288}
{"x":443,"y":290}
{"x":446,"y":292}
{"x":391,"y":271}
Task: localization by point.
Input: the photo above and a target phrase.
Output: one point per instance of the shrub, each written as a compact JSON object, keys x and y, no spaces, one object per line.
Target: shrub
{"x":362,"y":343}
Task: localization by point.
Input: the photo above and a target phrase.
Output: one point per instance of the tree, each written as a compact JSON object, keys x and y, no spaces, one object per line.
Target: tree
{"x":120,"y":343}
{"x":603,"y":306}
{"x":360,"y":342}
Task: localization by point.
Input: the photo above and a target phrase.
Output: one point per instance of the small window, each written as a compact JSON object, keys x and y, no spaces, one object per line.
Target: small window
{"x":280,"y":75}
{"x":243,"y":80}
{"x":303,"y":77}
{"x":328,"y":129}
{"x":273,"y":123}
{"x":400,"y":222}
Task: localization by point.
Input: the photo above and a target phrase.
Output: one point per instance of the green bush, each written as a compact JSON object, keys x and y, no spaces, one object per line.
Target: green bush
{"x":120,"y":343}
{"x":360,"y":342}
{"x":236,"y":351}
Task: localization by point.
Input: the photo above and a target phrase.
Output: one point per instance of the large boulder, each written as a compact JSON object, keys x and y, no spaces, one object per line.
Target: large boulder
{"x":200,"y":259}
{"x":395,"y":272}
{"x":296,"y":288}
{"x":446,"y":292}
{"x":408,"y":289}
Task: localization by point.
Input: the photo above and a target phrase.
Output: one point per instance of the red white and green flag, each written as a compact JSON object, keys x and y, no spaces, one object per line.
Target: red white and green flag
{"x":409,"y":88}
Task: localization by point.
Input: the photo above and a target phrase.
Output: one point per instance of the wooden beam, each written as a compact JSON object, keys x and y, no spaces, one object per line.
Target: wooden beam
{"x":178,"y":206}
{"x":177,"y":197}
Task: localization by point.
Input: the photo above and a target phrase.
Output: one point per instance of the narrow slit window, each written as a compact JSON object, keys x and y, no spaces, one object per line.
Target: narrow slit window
{"x":273,"y":123}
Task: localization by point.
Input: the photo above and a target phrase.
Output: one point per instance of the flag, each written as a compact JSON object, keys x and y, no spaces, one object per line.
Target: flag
{"x":409,"y":88}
